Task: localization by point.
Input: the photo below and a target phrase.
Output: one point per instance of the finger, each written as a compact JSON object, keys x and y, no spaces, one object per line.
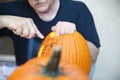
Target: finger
{"x":53,"y":28}
{"x":67,"y":30}
{"x":26,"y":32}
{"x":58,"y":28}
{"x":72,"y":29}
{"x":18,"y":31}
{"x":32,"y":33}
{"x":31,"y":29}
{"x":62,"y":31}
{"x":37,"y":32}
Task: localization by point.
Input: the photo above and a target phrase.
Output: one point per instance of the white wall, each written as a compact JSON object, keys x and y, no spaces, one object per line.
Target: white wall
{"x":107,"y":18}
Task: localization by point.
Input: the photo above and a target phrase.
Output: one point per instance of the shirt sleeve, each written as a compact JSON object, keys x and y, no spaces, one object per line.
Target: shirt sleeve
{"x":3,"y":11}
{"x":86,"y":25}
{"x":0,"y":15}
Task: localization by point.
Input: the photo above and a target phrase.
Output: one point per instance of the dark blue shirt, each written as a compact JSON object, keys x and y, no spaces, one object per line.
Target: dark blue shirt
{"x":71,"y":11}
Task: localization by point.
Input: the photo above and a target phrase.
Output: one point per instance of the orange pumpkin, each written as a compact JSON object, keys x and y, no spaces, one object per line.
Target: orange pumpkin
{"x":36,"y":69}
{"x":75,"y":49}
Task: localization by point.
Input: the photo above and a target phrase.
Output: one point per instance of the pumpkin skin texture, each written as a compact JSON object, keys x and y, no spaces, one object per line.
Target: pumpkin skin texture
{"x":74,"y":49}
{"x":45,"y":69}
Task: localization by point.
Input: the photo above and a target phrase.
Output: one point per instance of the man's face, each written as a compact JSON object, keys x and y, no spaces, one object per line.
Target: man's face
{"x":40,"y":5}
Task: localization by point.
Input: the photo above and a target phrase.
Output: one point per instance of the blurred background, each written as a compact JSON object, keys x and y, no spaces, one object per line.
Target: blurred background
{"x":106,"y":15}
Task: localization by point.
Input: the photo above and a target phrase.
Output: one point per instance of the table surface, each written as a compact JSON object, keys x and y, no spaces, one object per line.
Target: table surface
{"x":6,"y":68}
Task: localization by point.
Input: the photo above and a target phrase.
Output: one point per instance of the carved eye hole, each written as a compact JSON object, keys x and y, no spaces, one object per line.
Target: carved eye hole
{"x":47,"y":47}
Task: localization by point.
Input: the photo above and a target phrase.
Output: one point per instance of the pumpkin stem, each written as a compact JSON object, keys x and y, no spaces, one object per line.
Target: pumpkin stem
{"x":52,"y":68}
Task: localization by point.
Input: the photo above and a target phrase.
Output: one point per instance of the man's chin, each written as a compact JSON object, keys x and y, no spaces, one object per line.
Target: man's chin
{"x":42,"y":9}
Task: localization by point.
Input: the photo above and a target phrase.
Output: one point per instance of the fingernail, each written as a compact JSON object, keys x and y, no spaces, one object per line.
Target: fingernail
{"x":42,"y":37}
{"x":57,"y":34}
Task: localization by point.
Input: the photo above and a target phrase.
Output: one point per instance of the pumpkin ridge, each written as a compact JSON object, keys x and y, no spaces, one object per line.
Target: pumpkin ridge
{"x":75,"y":50}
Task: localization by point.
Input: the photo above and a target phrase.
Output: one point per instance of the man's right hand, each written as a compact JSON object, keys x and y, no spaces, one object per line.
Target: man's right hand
{"x":21,"y":26}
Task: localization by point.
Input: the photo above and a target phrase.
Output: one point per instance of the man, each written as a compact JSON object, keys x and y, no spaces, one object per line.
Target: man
{"x":23,"y":20}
